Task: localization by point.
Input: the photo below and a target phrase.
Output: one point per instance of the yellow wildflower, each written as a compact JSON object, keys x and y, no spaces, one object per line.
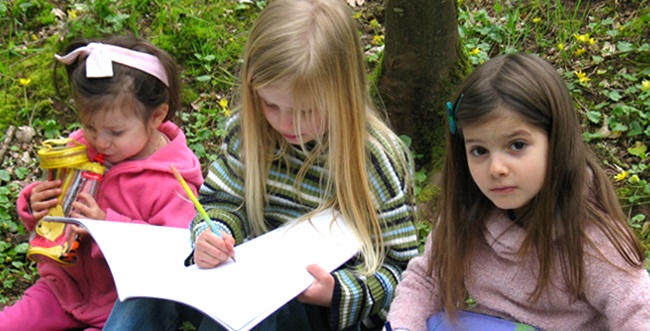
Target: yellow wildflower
{"x":621,"y":176}
{"x":374,"y":23}
{"x":645,"y":85}
{"x":579,"y":51}
{"x":377,"y":40}
{"x":223,"y":103}
{"x":537,"y":20}
{"x":634,"y":179}
{"x":72,"y":14}
{"x":24,"y":81}
{"x":583,"y":38}
{"x":474,"y":51}
{"x":357,"y":16}
{"x":560,"y":46}
{"x":592,"y":41}
{"x":34,"y":37}
{"x":582,"y":77}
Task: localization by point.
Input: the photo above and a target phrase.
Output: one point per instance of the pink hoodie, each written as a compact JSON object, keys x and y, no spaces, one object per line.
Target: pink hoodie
{"x":137,"y":191}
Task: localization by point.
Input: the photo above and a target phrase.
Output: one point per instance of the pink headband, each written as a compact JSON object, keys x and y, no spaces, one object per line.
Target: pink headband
{"x":100,"y":58}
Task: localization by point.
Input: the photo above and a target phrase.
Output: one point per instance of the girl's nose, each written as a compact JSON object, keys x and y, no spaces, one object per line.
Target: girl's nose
{"x":498,"y":167}
{"x":286,"y":121}
{"x":101,"y":142}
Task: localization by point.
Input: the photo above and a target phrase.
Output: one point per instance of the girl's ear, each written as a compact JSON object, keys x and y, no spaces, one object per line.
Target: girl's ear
{"x":158,"y":115}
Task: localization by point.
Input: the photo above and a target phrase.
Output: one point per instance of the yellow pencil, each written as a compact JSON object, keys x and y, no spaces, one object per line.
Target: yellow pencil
{"x":197,"y":204}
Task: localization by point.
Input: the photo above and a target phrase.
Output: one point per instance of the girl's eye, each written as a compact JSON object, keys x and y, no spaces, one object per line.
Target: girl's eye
{"x":269,"y":105}
{"x":518,"y":145}
{"x":116,"y":133}
{"x":478,"y":151}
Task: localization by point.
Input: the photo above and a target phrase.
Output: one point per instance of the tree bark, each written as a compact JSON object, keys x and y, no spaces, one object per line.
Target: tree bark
{"x":420,"y":69}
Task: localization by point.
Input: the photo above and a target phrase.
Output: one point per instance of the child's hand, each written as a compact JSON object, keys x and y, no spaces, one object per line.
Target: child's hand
{"x":211,"y":250}
{"x":321,"y":290}
{"x":79,"y":230}
{"x":87,"y":207}
{"x":43,"y":197}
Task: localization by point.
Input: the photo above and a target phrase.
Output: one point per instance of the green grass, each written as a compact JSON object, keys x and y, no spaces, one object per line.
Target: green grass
{"x":601,"y":49}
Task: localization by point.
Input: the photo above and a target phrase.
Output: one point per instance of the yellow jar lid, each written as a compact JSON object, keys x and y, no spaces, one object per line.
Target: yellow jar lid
{"x":58,"y":153}
{"x":90,"y":166}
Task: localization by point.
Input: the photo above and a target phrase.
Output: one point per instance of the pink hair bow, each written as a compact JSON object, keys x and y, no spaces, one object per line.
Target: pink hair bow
{"x":101,"y":56}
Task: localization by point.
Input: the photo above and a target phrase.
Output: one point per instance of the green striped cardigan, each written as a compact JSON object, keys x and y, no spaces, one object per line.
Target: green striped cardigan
{"x":357,"y":299}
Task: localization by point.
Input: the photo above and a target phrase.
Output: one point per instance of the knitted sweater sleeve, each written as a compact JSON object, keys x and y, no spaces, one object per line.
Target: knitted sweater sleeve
{"x":361,"y":299}
{"x":616,"y":289}
{"x":415,"y":298}
{"x":222,"y":191}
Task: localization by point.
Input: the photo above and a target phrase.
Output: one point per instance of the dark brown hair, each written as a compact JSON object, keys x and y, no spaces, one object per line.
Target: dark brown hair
{"x":575,"y":191}
{"x":130,"y":87}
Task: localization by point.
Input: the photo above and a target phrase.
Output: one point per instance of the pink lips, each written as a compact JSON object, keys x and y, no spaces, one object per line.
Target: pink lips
{"x":503,"y":190}
{"x":290,"y":137}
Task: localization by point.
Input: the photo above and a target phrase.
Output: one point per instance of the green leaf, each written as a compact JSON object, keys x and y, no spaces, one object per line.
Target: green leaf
{"x":420,"y":176}
{"x":406,"y":139}
{"x":594,"y":116}
{"x":21,"y":172}
{"x":618,"y":127}
{"x":635,"y":129}
{"x":588,"y":136}
{"x":21,"y":248}
{"x":614,"y":95}
{"x":638,"y":149}
{"x":624,"y":46}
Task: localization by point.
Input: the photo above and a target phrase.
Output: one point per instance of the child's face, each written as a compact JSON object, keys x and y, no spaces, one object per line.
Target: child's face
{"x":277,"y":105}
{"x":507,"y":158}
{"x":121,"y":135}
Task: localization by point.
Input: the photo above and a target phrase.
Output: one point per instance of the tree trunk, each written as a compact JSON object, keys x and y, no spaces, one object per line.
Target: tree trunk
{"x":420,"y":68}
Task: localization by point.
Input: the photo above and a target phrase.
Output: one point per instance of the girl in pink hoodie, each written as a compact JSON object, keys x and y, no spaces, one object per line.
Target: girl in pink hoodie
{"x":528,"y":225}
{"x":125,"y":90}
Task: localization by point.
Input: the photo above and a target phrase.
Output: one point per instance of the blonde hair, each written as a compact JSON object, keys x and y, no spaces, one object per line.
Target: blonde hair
{"x":314,"y":46}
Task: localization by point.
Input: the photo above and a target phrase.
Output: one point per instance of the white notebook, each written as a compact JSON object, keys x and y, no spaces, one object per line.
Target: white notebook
{"x":147,"y":261}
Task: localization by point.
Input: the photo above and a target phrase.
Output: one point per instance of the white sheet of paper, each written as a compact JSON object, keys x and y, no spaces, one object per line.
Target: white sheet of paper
{"x":147,"y":261}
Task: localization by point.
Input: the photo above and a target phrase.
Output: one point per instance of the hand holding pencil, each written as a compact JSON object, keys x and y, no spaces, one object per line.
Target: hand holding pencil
{"x":211,"y":253}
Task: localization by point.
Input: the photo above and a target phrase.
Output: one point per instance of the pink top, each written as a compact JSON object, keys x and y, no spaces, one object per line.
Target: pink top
{"x":614,"y":298}
{"x":138,"y":191}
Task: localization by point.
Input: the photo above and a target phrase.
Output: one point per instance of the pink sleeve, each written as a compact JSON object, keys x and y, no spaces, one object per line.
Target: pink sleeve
{"x":415,"y":297}
{"x":617,"y":290}
{"x":167,"y":209}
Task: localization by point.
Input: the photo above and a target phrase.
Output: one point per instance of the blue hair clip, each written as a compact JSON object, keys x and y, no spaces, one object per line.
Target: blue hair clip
{"x":451,"y":114}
